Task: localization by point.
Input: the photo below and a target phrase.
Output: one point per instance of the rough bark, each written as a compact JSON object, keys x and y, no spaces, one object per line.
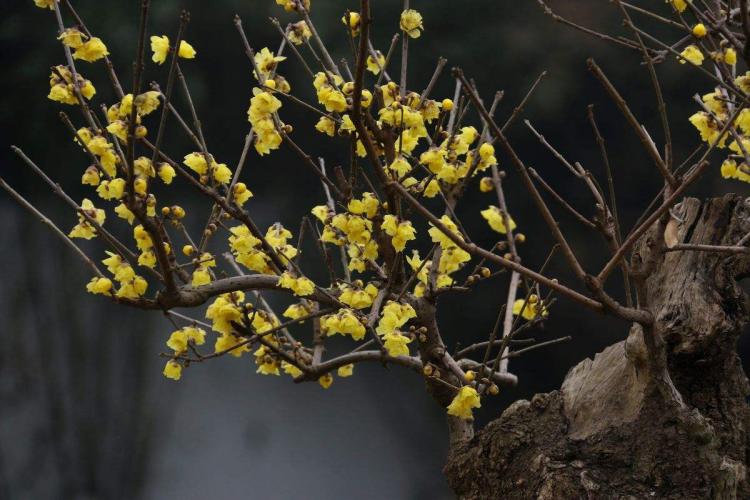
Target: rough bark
{"x":610,"y":431}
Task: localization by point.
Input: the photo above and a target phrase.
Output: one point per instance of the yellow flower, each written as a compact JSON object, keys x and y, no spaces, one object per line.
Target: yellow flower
{"x":147,"y":259}
{"x":124,"y":212}
{"x":201,"y":276}
{"x":172,"y":370}
{"x":63,"y":94}
{"x":411,"y":23}
{"x":291,"y":5}
{"x":61,"y":86}
{"x":231,"y":344}
{"x":692,"y":54}
{"x":290,"y":369}
{"x":296,"y":311}
{"x":374,"y":65}
{"x":326,"y":126}
{"x":679,"y":5}
{"x":45,"y":4}
{"x":132,"y":289}
{"x":245,"y":249}
{"x":352,"y":20}
{"x":160,"y":48}
{"x":532,"y":310}
{"x":356,"y":228}
{"x":147,"y":102}
{"x":708,"y":128}
{"x":400,"y":166}
{"x":434,"y":159}
{"x":495,"y":219}
{"x":267,"y":364}
{"x":262,"y":104}
{"x":345,"y":371}
{"x":438,"y":236}
{"x":432,"y":189}
{"x":166,"y":173}
{"x":730,"y":56}
{"x":186,"y":50}
{"x":332,"y":99}
{"x":367,"y":205}
{"x":266,"y":62}
{"x":486,"y":151}
{"x":84,"y":229}
{"x":326,"y":380}
{"x":743,"y":82}
{"x":142,"y":238}
{"x":299,"y":33}
{"x":225,"y":310}
{"x":277,"y":235}
{"x":730,"y":170}
{"x":396,"y":344}
{"x":241,"y":193}
{"x":260,"y":115}
{"x":452,"y":259}
{"x":463,"y":403}
{"x":222,"y":174}
{"x":299,"y":286}
{"x":91,"y":50}
{"x":354,"y":297}
{"x":179,"y":339}
{"x":72,"y":38}
{"x":321,"y":212}
{"x":393,"y":316}
{"x":699,"y":30}
{"x":345,"y":322}
{"x":401,"y":232}
{"x":111,"y":189}
{"x":267,"y":138}
{"x":91,"y":176}
{"x":196,"y":162}
{"x":99,"y":286}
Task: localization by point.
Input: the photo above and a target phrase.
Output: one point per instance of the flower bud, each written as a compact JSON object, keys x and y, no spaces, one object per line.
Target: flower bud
{"x":178,"y":212}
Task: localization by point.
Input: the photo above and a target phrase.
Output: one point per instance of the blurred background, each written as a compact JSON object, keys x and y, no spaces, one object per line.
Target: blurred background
{"x":84,"y":409}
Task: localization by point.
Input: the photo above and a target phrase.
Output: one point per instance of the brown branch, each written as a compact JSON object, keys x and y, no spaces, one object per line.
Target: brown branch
{"x":508,"y":264}
{"x":633,"y":121}
{"x":46,"y":221}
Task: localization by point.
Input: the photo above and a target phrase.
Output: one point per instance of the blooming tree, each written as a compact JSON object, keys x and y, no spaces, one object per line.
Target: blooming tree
{"x":385,"y":226}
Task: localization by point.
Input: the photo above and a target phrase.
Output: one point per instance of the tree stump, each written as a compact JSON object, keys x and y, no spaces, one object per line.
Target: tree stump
{"x":609,"y":432}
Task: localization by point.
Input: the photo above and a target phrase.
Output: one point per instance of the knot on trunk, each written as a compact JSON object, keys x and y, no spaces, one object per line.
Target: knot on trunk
{"x":610,"y":431}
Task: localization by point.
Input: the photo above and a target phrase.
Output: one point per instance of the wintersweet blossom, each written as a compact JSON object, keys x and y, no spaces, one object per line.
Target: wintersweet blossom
{"x":160,"y":49}
{"x":411,"y":23}
{"x":464,"y":402}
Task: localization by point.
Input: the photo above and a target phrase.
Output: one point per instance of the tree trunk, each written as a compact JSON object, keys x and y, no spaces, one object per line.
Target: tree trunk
{"x":612,"y":431}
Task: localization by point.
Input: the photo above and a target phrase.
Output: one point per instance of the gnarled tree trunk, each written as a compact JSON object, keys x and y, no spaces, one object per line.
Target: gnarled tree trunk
{"x":612,"y":431}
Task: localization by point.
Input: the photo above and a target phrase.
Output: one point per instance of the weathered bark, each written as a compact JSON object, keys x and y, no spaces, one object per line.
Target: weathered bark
{"x":612,"y":431}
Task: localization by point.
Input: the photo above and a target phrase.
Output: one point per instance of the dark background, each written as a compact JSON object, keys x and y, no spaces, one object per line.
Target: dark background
{"x":84,"y":410}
